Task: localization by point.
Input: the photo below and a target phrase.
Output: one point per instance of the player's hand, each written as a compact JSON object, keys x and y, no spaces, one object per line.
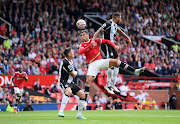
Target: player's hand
{"x":93,"y":44}
{"x":116,"y":48}
{"x":129,"y":40}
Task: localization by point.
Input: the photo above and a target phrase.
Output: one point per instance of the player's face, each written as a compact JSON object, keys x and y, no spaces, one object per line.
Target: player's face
{"x":118,"y":19}
{"x":21,"y":69}
{"x":84,"y":36}
{"x":71,"y":54}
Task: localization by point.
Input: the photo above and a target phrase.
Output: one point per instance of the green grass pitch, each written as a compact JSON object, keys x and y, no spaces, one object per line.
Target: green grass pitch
{"x":93,"y":117}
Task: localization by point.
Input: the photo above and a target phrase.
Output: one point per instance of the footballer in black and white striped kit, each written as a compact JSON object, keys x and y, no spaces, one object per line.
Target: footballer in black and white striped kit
{"x":110,"y":29}
{"x":66,"y":73}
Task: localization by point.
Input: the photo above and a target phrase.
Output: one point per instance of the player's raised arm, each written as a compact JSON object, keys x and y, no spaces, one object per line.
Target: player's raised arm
{"x":13,"y":80}
{"x":84,"y":49}
{"x":110,"y":43}
{"x":25,"y":76}
{"x":123,"y":34}
{"x":101,"y":29}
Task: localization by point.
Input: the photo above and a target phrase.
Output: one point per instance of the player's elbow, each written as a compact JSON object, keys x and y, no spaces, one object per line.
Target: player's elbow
{"x":74,"y":73}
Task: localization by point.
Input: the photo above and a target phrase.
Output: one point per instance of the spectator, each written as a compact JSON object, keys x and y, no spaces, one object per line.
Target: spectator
{"x":42,"y":69}
{"x":173,"y":101}
{"x":123,"y":90}
{"x":35,"y":69}
{"x":15,"y":39}
{"x":26,"y":97}
{"x":98,"y":106}
{"x":118,"y":104}
{"x":109,"y":104}
{"x":31,"y":55}
{"x":102,"y":99}
{"x":89,"y":99}
{"x":54,"y":88}
{"x":37,"y":85}
{"x":142,"y":96}
{"x":3,"y":29}
{"x":28,"y":106}
{"x":1,"y":93}
{"x":47,"y":92}
{"x":7,"y":43}
{"x":6,"y":67}
{"x":178,"y":85}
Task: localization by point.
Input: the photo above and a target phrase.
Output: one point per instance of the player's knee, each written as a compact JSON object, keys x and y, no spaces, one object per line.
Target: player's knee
{"x":82,"y":96}
{"x":89,"y":80}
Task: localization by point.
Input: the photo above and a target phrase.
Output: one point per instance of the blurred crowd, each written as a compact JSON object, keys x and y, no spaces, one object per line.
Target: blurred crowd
{"x":43,"y":28}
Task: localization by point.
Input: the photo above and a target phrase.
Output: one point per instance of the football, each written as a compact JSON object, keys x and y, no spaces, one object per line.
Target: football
{"x":81,"y":24}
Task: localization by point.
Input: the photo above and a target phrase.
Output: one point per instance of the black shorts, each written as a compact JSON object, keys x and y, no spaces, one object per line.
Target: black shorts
{"x":109,"y":51}
{"x":75,"y":88}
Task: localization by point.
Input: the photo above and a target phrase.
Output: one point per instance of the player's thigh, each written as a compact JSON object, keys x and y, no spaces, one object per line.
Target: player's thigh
{"x":115,"y":53}
{"x":81,"y":94}
{"x":93,"y":68}
{"x":68,"y":91}
{"x":66,"y":88}
{"x":75,"y":88}
{"x":16,"y":90}
{"x":21,"y":92}
{"x":103,"y":64}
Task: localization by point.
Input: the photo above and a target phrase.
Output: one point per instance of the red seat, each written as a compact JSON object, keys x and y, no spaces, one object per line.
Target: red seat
{"x":138,"y":83}
{"x":143,"y":83}
{"x":71,"y":100}
{"x":138,"y":87}
{"x":101,"y":81}
{"x":30,"y":87}
{"x":130,"y":83}
{"x":131,"y":87}
{"x":58,"y":96}
{"x":53,"y":95}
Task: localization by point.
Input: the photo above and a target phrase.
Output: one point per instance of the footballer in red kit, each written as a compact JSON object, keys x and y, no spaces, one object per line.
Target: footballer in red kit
{"x":95,"y":61}
{"x":18,"y":79}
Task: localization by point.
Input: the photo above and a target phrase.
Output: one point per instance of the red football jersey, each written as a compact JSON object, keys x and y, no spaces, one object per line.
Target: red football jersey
{"x":93,"y":54}
{"x":19,"y":79}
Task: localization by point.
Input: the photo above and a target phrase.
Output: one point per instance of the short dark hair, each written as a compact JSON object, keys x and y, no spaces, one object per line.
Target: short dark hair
{"x":116,"y":14}
{"x":85,"y":30}
{"x":67,"y":51}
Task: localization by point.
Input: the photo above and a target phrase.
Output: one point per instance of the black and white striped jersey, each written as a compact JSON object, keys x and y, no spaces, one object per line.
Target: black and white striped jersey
{"x":66,"y":67}
{"x":110,"y":29}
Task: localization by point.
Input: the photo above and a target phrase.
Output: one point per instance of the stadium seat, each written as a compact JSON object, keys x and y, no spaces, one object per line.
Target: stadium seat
{"x":138,"y":83}
{"x":58,"y":96}
{"x":138,"y":87}
{"x":130,"y":83}
{"x":53,"y":95}
{"x":71,"y":100}
{"x":30,"y":87}
{"x":131,"y":87}
{"x":101,"y":81}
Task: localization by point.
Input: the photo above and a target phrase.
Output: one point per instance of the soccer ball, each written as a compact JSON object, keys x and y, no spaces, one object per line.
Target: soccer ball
{"x":81,"y":24}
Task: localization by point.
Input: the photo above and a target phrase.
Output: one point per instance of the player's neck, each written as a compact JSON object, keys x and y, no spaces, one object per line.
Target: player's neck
{"x":114,"y":21}
{"x":69,"y":58}
{"x":87,"y":40}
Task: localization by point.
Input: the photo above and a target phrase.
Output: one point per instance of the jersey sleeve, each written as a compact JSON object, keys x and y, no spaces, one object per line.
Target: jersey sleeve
{"x":67,"y":67}
{"x":14,"y":75}
{"x":98,"y":41}
{"x":106,"y":25}
{"x":26,"y":75}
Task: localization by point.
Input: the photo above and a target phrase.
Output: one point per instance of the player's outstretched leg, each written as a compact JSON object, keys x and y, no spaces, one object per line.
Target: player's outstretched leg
{"x":81,"y":104}
{"x":18,"y":97}
{"x":108,"y":85}
{"x":115,"y":62}
{"x":114,"y":77}
{"x":65,"y":100}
